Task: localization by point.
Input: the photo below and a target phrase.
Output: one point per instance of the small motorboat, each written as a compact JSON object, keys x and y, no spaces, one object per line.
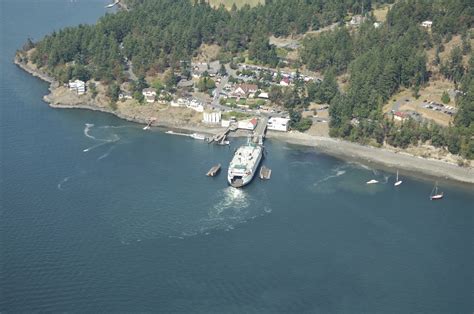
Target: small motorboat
{"x":197,"y":136}
{"x":373,"y":181}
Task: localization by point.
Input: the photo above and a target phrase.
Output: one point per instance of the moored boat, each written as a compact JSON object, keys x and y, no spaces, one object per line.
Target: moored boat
{"x":373,"y":181}
{"x":397,"y":182}
{"x":435,"y":195}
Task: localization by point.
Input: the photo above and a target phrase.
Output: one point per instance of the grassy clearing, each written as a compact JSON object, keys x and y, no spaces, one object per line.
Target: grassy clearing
{"x":380,"y":13}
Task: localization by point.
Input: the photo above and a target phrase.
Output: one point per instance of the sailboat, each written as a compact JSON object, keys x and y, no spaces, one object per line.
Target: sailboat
{"x":435,"y":195}
{"x":398,"y":182}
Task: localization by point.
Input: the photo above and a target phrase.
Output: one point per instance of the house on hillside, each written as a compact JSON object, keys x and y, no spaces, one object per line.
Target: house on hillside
{"x":125,"y":95}
{"x":77,"y":86}
{"x":356,"y":20}
{"x":285,"y":81}
{"x":195,"y":105}
{"x":400,"y":116}
{"x":263,"y":95}
{"x":149,"y":94}
{"x":212,"y":69}
{"x":183,"y":83}
{"x":244,"y":91}
{"x":427,"y":24}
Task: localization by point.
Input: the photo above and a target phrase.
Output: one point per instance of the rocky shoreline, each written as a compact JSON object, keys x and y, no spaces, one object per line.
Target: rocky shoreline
{"x":343,"y":149}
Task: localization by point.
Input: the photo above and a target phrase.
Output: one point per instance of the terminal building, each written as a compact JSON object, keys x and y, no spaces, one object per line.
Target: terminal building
{"x":212,"y":117}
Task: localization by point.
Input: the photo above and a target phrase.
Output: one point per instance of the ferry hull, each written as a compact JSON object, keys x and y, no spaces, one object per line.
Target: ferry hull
{"x":241,"y":181}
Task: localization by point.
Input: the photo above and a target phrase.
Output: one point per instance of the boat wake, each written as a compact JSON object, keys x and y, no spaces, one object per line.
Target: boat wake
{"x":107,"y":153}
{"x":336,"y":172}
{"x":233,"y":199}
{"x":102,"y":141}
{"x":233,"y":208}
{"x":63,"y":181}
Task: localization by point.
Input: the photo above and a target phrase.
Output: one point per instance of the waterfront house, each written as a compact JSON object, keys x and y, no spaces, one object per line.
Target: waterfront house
{"x":150,"y":94}
{"x":180,"y":102}
{"x":77,"y":86}
{"x":278,"y":124}
{"x":195,"y":105}
{"x":125,"y":95}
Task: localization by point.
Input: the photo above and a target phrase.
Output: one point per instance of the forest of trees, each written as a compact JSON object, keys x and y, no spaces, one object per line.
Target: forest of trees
{"x":157,"y":34}
{"x":382,"y":60}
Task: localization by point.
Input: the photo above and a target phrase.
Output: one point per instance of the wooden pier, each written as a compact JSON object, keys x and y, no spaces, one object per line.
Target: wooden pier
{"x":259,"y":133}
{"x":221,"y":137}
{"x":265,"y":173}
{"x":150,"y":122}
{"x":214,"y":170}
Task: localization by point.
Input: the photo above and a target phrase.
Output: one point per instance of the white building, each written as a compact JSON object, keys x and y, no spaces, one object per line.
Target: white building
{"x":77,"y":86}
{"x":248,"y":124}
{"x":278,"y":124}
{"x":263,"y":95}
{"x":195,"y":105}
{"x":427,"y":24}
{"x":225,"y":123}
{"x":356,"y":20}
{"x":125,"y":95}
{"x":180,"y":102}
{"x":150,"y":94}
{"x":212,"y":117}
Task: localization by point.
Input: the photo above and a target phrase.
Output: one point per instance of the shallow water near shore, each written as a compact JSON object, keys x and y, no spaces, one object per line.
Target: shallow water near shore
{"x":99,"y":215}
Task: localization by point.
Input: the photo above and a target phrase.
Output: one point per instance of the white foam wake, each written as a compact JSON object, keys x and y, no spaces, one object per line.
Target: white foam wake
{"x":103,"y":141}
{"x":87,"y":129}
{"x":337,"y":173}
{"x":63,"y":181}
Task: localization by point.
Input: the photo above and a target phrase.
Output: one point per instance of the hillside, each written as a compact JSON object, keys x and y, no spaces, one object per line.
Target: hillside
{"x":239,"y":3}
{"x":392,"y":67}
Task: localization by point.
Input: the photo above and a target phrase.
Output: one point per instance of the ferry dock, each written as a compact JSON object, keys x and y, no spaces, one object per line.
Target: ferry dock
{"x":265,"y":173}
{"x":259,"y":133}
{"x":214,"y":171}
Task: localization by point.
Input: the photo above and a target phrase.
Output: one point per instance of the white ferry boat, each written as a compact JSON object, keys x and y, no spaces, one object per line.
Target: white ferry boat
{"x":244,"y":164}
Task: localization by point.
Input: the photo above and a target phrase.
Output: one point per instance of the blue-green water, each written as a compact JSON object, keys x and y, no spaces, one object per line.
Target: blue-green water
{"x":98,"y":215}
